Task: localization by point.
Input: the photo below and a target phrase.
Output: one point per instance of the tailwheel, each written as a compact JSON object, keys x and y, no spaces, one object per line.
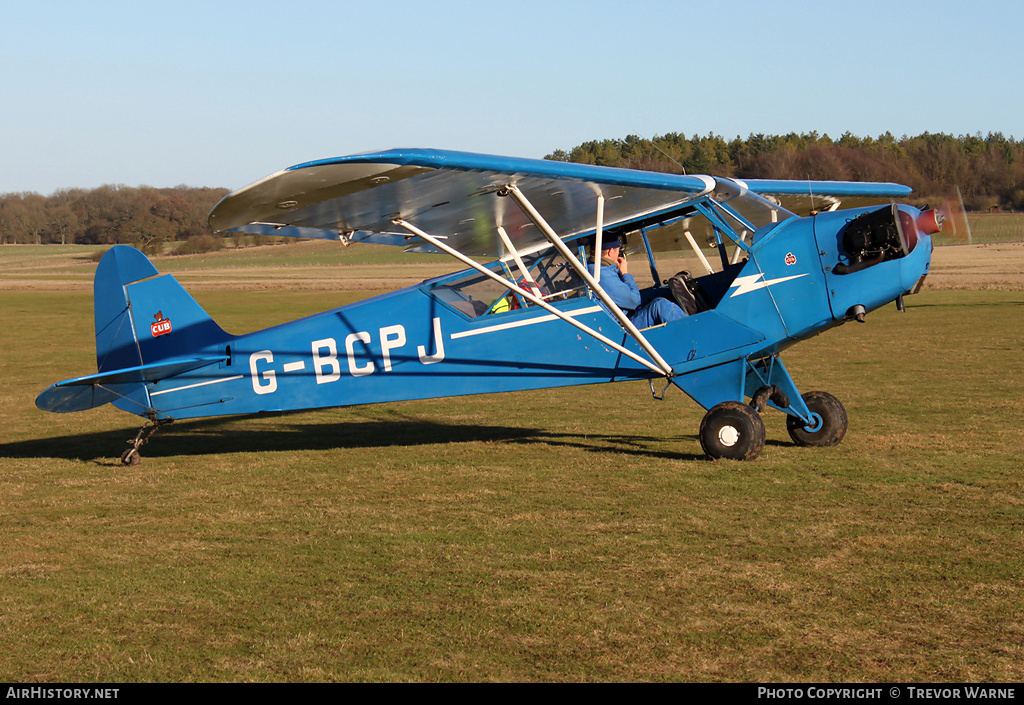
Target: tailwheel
{"x":131,"y":456}
{"x":732,"y":430}
{"x":829,"y":421}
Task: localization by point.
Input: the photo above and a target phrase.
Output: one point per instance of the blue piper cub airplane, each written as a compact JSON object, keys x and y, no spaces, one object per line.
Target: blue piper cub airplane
{"x":538,"y":314}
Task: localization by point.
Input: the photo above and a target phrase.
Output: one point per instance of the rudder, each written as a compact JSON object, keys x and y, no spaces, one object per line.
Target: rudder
{"x":144,"y":317}
{"x":115,"y":335}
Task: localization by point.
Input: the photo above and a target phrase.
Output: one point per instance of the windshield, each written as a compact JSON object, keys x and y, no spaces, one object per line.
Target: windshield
{"x":746,"y":207}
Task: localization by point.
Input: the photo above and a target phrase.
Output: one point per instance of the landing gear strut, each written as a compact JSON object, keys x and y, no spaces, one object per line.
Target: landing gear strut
{"x":131,"y":456}
{"x":829,"y":421}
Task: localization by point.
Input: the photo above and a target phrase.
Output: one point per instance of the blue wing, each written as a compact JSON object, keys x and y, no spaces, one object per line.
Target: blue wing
{"x":451,"y":194}
{"x":803,"y":197}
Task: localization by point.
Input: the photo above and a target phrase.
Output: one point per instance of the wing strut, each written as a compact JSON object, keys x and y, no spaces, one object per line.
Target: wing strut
{"x":524,"y":271}
{"x":532,"y":298}
{"x":598,"y":237}
{"x":696,"y":248}
{"x":552,"y":236}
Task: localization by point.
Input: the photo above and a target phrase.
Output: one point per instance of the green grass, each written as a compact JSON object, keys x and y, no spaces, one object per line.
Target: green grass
{"x":305,"y":254}
{"x":570,"y":535}
{"x":985,"y":228}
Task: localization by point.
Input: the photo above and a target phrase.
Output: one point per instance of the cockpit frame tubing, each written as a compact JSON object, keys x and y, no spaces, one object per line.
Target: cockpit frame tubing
{"x":735,"y":215}
{"x":524,"y":203}
{"x":529,"y":296}
{"x":697,"y":251}
{"x":708,"y":210}
{"x":650,"y":258}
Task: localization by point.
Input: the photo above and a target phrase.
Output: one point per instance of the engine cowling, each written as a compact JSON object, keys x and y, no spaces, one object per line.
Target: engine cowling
{"x":882,"y":235}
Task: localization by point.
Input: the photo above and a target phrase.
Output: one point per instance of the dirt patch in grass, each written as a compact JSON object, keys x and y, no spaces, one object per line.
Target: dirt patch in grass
{"x":325,"y":267}
{"x":996,"y":267}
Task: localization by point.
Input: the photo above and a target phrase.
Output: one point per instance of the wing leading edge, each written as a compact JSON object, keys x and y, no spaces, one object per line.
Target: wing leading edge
{"x":804,"y":197}
{"x":451,"y":195}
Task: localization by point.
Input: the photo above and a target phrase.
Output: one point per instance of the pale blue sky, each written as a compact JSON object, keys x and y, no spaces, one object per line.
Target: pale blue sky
{"x":222,"y":93}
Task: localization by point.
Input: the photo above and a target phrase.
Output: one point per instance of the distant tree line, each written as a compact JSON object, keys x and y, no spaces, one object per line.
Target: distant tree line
{"x":143,"y":216}
{"x":989,"y":171}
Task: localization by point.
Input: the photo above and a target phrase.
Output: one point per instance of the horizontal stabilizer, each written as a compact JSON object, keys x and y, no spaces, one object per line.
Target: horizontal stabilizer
{"x":87,"y":392}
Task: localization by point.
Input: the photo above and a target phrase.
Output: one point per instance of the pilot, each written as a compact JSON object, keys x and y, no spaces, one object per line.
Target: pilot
{"x":644,"y":310}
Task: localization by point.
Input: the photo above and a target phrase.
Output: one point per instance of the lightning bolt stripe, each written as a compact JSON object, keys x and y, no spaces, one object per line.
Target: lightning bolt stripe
{"x":753,"y":282}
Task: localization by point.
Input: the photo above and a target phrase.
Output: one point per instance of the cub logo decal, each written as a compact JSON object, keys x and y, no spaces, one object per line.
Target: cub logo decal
{"x":790,"y":259}
{"x":162,"y":326}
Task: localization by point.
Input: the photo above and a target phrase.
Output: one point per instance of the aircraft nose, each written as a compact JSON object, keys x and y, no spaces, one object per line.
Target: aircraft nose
{"x":926,"y":223}
{"x":914,"y":268}
{"x":930,"y":221}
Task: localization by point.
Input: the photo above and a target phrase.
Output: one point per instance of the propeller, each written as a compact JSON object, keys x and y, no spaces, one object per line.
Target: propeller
{"x":956,"y":227}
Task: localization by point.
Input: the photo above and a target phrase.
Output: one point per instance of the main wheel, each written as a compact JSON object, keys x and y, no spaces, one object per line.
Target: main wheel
{"x":829,"y":425}
{"x":732,"y":430}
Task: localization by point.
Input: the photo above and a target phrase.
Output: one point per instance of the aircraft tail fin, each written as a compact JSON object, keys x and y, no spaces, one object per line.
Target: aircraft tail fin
{"x":147,"y":328}
{"x":144,"y":317}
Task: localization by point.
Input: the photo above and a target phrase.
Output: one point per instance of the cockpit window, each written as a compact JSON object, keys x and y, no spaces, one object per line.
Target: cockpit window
{"x":547,"y":276}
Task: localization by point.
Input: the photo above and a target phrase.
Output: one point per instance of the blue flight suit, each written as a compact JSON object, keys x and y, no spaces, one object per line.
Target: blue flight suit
{"x":644,"y":311}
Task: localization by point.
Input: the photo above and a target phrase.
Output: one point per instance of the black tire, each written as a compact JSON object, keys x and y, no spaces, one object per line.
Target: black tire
{"x":829,"y":432}
{"x":131,"y":457}
{"x":732,"y":430}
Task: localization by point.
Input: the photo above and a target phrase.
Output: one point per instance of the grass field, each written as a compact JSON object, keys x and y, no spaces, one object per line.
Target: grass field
{"x":981,"y":228}
{"x":572,"y":535}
